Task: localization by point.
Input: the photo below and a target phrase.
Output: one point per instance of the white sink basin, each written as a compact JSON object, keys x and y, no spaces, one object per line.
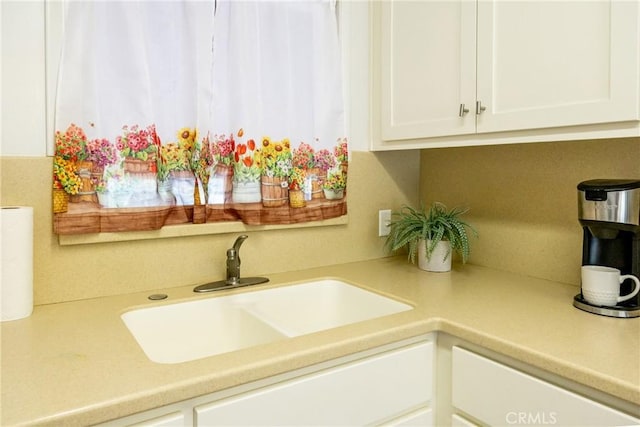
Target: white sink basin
{"x":316,"y":306}
{"x":181,"y":332}
{"x":187,"y":331}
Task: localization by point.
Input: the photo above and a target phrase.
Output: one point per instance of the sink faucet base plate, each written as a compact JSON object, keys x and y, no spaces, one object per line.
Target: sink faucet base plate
{"x":221,"y":285}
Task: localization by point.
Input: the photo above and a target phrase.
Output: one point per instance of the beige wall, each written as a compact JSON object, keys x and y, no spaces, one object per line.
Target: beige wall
{"x":523,"y":198}
{"x":63,"y":273}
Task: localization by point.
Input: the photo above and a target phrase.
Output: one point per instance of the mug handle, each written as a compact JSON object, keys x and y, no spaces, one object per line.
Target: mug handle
{"x":635,"y":290}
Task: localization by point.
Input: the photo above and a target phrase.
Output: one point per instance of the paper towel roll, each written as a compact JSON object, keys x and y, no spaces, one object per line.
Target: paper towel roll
{"x":16,"y":262}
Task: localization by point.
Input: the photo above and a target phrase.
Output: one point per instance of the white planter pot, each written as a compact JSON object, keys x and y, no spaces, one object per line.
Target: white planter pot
{"x":333,"y":194}
{"x":164,"y":193}
{"x":183,"y":188}
{"x":246,"y":192}
{"x":437,"y":262}
{"x":106,"y":200}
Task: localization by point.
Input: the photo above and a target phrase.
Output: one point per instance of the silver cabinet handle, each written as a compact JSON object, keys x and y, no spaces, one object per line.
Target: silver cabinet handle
{"x":479,"y":107}
{"x":463,"y":110}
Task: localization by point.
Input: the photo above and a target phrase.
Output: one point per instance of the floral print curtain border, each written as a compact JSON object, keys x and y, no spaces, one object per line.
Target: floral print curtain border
{"x":228,"y":177}
{"x":137,"y":181}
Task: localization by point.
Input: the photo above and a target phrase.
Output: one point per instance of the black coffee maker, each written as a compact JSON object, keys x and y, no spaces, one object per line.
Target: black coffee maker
{"x":609,"y":212}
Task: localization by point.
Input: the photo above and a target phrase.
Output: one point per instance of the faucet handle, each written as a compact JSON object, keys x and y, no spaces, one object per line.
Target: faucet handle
{"x":239,"y":242}
{"x":233,"y":254}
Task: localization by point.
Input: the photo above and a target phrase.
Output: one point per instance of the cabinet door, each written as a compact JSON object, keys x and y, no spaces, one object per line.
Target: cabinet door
{"x":427,"y":68}
{"x":499,"y":395}
{"x":557,"y":63}
{"x":364,"y":392}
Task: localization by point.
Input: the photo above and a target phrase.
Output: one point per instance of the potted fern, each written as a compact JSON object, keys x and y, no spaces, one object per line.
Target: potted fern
{"x":431,"y":234}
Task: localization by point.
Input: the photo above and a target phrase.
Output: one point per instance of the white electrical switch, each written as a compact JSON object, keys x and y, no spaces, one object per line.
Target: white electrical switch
{"x":384,"y":217}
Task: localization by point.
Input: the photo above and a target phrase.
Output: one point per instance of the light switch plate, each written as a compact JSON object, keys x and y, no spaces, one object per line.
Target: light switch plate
{"x":384,"y":216}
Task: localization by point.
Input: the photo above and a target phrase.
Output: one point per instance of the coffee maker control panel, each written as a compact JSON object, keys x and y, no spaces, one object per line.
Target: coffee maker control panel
{"x":609,"y":200}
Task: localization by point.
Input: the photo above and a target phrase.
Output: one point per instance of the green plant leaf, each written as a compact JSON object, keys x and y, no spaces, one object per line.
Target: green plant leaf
{"x":410,"y":225}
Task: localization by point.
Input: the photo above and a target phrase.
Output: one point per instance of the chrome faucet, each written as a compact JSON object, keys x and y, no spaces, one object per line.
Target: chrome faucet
{"x":233,"y":261}
{"x":233,"y":279}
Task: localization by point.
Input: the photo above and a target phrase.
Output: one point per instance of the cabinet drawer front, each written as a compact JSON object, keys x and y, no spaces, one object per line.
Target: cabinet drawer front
{"x":500,"y":395}
{"x":362,"y":392}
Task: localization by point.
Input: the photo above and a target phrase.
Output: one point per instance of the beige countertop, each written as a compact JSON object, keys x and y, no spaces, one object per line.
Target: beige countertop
{"x":75,"y":363}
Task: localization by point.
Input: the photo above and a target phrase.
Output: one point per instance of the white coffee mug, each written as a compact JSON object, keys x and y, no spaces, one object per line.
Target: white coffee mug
{"x":601,"y":285}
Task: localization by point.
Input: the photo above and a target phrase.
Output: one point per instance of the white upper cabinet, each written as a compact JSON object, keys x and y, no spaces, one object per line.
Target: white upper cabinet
{"x":556,"y":63}
{"x":422,"y":95}
{"x":478,"y":72}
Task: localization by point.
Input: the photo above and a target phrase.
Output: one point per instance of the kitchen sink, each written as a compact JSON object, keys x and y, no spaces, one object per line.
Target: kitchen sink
{"x":316,"y":306}
{"x":180,"y":332}
{"x":187,"y":331}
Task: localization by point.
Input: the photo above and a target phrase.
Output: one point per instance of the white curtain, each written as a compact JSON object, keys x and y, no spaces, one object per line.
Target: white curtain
{"x":277,"y":70}
{"x":232,"y":83}
{"x":135,"y":62}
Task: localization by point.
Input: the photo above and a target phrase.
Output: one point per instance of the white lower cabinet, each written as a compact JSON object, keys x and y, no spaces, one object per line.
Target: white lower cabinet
{"x":410,"y":383}
{"x":391,"y":385}
{"x":365,"y":392}
{"x":496,"y":394}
